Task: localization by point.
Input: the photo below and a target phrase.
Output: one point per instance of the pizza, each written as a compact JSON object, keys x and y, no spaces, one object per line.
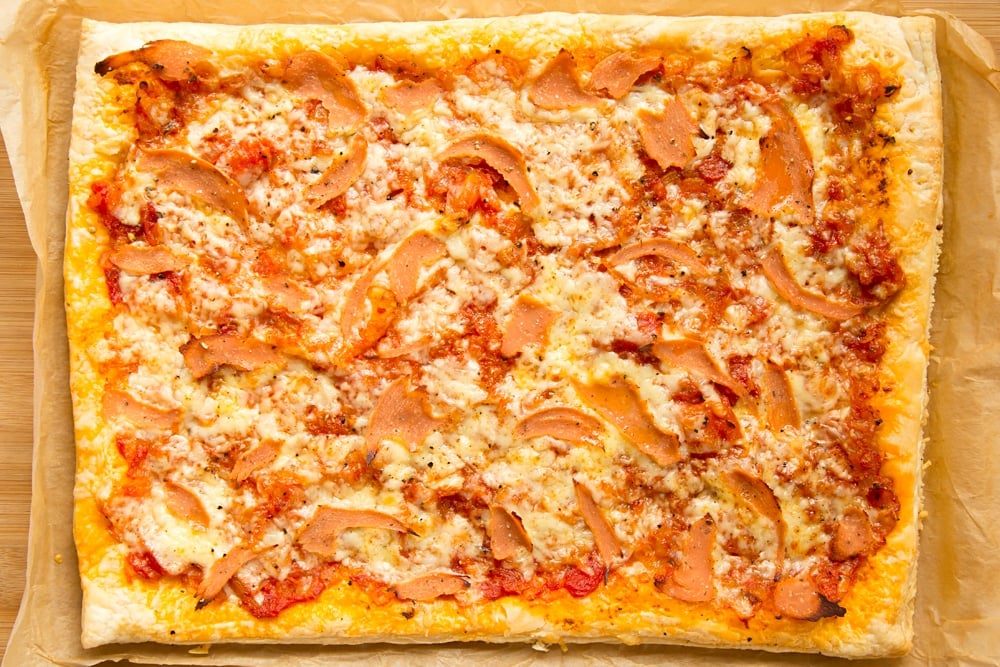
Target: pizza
{"x":553,"y":328}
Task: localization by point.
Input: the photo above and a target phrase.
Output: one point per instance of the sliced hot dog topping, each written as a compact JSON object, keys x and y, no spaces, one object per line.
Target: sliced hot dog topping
{"x":618,"y":72}
{"x":618,"y":402}
{"x":502,"y":157}
{"x":664,"y":248}
{"x":317,"y":76}
{"x":507,"y":534}
{"x":285,"y":294}
{"x":563,"y":423}
{"x":757,"y":494}
{"x":692,"y":579}
{"x":353,"y":313}
{"x":604,"y":537}
{"x":415,"y":252}
{"x":320,"y":534}
{"x":182,"y":502}
{"x":798,"y":598}
{"x":854,"y":536}
{"x":784,"y":284}
{"x":691,"y":355}
{"x":340,"y":175}
{"x":178,"y":171}
{"x":172,"y":60}
{"x":118,"y":403}
{"x":779,"y":401}
{"x":785,"y":174}
{"x":409,"y":96}
{"x":205,"y":355}
{"x":259,"y":457}
{"x":557,"y":87}
{"x":430,"y":586}
{"x":221,"y":572}
{"x":145,"y":260}
{"x":528,"y":324}
{"x":401,"y":414}
{"x":668,"y":137}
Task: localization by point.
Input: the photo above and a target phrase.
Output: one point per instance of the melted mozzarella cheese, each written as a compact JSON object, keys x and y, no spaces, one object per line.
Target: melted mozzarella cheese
{"x":584,"y":175}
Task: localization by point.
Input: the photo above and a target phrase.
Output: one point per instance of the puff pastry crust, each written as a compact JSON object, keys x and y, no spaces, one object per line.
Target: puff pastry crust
{"x":552,"y":328}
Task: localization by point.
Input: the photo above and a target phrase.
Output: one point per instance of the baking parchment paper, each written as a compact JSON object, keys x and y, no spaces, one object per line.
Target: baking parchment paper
{"x":958,"y":602}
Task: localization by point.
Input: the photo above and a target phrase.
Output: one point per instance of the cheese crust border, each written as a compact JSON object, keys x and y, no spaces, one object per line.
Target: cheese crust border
{"x":878,"y":622}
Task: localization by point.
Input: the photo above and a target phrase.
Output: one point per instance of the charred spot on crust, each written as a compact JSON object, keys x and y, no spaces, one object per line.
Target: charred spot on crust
{"x":827,"y":608}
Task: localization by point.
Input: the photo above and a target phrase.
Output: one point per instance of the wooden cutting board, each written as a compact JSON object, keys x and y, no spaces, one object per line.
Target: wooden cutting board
{"x":17,"y":283}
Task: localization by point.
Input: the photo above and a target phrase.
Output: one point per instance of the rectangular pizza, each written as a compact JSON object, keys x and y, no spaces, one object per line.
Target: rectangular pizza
{"x":553,"y":328}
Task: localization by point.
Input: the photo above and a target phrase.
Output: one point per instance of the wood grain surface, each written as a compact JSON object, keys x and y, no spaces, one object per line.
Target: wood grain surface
{"x":17,"y":292}
{"x":17,"y":283}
